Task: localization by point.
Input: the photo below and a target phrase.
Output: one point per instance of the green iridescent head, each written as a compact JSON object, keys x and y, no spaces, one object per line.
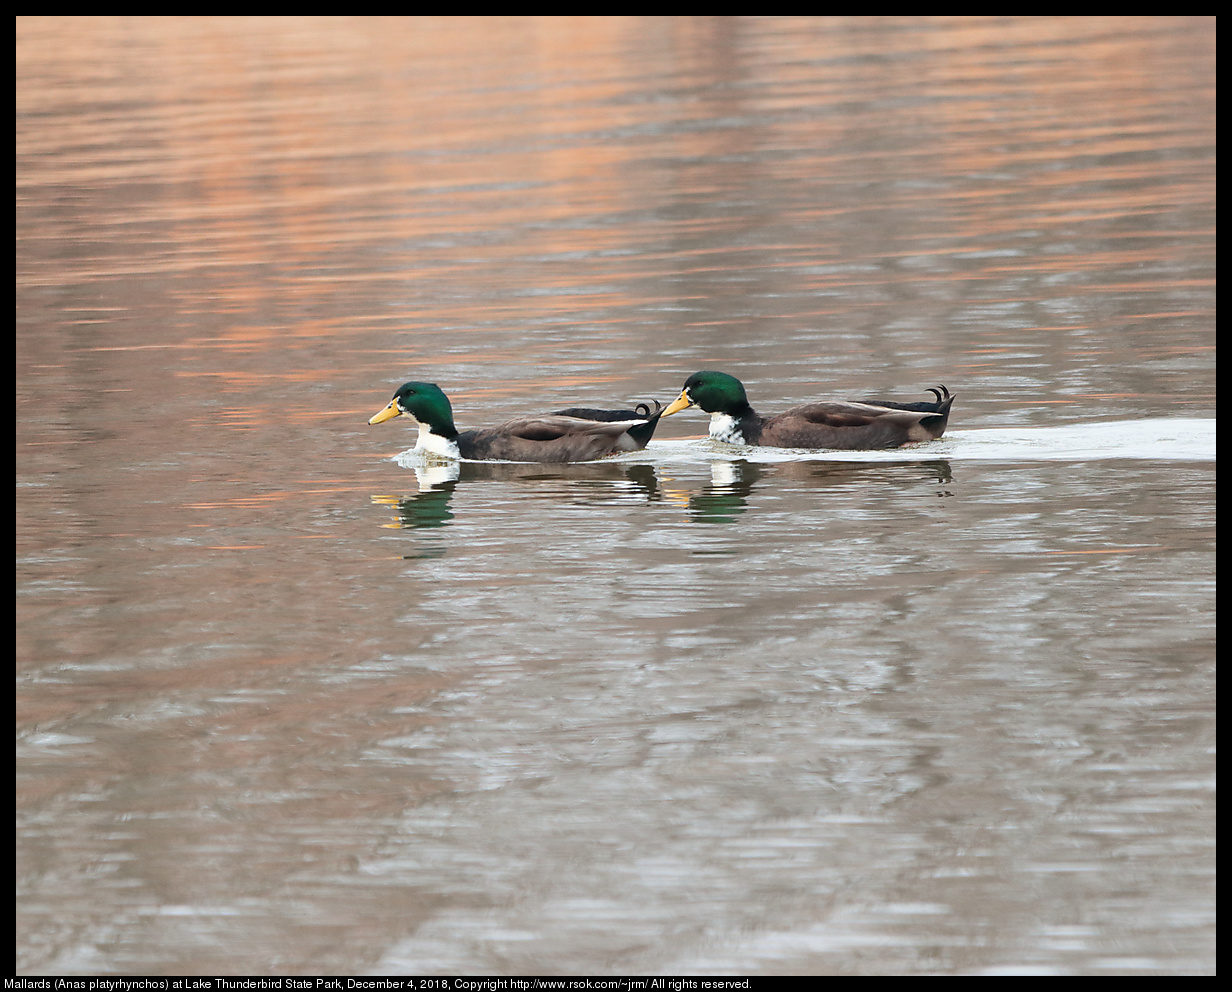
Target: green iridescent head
{"x":714,"y":392}
{"x":424,"y":402}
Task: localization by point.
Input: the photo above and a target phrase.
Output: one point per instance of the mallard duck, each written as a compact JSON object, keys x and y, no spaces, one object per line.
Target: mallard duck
{"x":552,"y":437}
{"x":853,"y":426}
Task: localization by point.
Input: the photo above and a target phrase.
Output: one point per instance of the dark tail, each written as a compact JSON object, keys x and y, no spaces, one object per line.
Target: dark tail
{"x":642,"y":433}
{"x":935,"y":425}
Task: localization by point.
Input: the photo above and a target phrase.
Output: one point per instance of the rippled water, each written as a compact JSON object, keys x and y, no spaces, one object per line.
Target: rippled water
{"x":290,"y":701}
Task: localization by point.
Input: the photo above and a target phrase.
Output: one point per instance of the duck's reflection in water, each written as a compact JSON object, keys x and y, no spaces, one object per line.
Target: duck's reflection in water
{"x":588,"y":483}
{"x":732,"y":482}
{"x":818,"y":474}
{"x":722,"y":501}
{"x":725,"y":498}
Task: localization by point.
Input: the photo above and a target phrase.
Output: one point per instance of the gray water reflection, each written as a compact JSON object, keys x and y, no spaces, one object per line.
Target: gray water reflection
{"x":284,"y":708}
{"x":722,"y":501}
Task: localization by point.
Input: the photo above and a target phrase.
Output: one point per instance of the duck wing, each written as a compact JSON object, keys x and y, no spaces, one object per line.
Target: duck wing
{"x":550,"y":438}
{"x":843,"y":413}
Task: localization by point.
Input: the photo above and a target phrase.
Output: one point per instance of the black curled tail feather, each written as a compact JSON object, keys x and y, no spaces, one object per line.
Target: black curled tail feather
{"x":939,"y":406}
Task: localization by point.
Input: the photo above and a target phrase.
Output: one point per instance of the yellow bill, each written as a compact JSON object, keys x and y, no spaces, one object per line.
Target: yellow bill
{"x":678,"y":404}
{"x":388,"y":413}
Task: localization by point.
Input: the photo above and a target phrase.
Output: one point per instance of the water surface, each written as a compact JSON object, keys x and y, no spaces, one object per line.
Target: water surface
{"x":290,"y":702}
